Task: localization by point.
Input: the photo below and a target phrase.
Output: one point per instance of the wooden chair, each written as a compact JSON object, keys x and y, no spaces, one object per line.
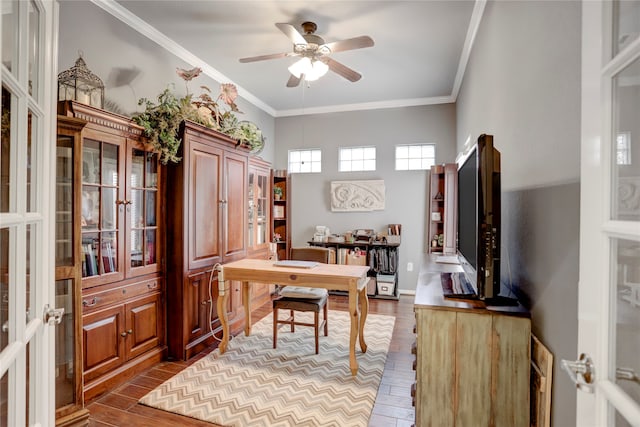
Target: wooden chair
{"x":304,"y":299}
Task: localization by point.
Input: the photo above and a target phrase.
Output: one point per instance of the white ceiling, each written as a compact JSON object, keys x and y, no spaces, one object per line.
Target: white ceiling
{"x":420,"y":51}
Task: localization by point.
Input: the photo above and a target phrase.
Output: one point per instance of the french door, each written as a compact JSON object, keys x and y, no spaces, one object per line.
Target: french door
{"x":28,"y":50}
{"x":608,"y":370}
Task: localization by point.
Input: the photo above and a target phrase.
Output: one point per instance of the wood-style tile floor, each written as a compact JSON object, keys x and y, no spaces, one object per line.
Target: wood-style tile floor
{"x":392,"y":408}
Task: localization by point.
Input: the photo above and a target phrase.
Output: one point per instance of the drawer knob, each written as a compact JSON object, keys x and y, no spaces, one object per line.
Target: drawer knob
{"x":153,"y":285}
{"x":123,"y":334}
{"x":130,"y":331}
{"x":93,"y":302}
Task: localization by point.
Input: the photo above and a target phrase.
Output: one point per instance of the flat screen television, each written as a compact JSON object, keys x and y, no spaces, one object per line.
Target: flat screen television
{"x":479,"y":218}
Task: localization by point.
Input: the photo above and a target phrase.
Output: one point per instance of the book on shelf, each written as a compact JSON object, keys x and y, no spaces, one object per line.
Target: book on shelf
{"x":108,"y":262}
{"x":90,"y":259}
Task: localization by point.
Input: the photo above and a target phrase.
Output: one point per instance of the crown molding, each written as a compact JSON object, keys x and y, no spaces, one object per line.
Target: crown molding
{"x":380,"y":105}
{"x":149,"y":31}
{"x":472,"y":30}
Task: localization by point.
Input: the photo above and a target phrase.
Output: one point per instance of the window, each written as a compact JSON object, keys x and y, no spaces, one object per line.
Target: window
{"x":305,"y":161}
{"x":353,"y":159}
{"x":623,"y":148}
{"x":415,"y":156}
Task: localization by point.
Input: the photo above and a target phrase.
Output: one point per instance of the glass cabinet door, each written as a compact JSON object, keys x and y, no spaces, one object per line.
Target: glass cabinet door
{"x":100,"y":208}
{"x":259,"y":205}
{"x":68,"y":351}
{"x":252,"y":209}
{"x":262,"y":219}
{"x":143,"y":210}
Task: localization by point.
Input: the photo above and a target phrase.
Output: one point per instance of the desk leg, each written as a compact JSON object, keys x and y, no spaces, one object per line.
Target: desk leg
{"x":364,"y":310}
{"x":246,"y":301}
{"x":355,"y":317}
{"x":223,"y":298}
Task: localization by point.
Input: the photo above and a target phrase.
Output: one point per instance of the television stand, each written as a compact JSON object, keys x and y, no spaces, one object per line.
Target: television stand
{"x":472,"y":359}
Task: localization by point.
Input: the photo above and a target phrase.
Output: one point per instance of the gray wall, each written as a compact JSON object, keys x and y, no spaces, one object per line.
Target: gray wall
{"x":132,"y":66}
{"x":522,"y":85}
{"x":405,"y":190}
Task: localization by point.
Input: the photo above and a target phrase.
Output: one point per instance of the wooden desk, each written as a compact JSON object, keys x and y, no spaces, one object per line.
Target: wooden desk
{"x":350,"y":278}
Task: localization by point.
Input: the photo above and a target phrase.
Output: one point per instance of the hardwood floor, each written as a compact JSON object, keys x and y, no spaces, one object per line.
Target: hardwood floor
{"x":392,"y":408}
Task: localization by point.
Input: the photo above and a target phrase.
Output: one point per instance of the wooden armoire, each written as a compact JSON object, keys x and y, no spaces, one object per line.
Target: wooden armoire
{"x":207,"y":224}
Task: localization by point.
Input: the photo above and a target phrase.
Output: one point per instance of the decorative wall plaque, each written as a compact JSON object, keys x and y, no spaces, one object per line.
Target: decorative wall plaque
{"x":357,"y":196}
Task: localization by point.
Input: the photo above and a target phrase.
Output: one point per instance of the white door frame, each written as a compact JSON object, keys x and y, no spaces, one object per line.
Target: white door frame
{"x":596,"y":336}
{"x":32,"y":333}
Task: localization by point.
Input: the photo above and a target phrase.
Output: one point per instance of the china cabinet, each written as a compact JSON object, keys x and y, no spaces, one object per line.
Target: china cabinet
{"x":121,"y":211}
{"x":70,"y":409}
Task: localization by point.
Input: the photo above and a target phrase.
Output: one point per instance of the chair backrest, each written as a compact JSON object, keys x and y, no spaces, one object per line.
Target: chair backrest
{"x":310,"y":254}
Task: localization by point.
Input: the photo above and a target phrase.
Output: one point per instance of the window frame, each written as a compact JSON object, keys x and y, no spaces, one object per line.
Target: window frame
{"x":351,"y":150}
{"x":311,"y":152}
{"x":409,"y":159}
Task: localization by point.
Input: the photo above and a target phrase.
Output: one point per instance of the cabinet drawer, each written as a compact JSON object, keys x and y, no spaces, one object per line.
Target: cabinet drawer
{"x":95,"y":301}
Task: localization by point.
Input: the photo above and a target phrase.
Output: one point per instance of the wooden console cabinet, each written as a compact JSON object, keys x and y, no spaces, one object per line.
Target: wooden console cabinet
{"x":472,"y":361}
{"x":207,"y":224}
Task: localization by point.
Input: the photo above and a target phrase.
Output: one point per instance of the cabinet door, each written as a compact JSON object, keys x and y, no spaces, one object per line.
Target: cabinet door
{"x":102,"y":208}
{"x":144,"y":324}
{"x":259,"y":221}
{"x":205,"y":204}
{"x":143,"y":209}
{"x":196,"y":306}
{"x":235,"y":207}
{"x":103,"y":339}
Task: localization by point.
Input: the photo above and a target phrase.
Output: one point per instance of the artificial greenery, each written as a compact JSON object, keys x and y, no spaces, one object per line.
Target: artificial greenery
{"x":161,"y":121}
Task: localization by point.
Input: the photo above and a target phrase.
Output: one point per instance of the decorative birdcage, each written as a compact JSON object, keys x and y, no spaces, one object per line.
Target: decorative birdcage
{"x":78,"y":83}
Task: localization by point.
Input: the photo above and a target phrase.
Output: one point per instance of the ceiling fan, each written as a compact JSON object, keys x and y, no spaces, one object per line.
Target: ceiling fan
{"x":315,"y":53}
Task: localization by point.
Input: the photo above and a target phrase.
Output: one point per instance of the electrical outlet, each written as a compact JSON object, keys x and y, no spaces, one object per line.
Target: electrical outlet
{"x":409,"y":266}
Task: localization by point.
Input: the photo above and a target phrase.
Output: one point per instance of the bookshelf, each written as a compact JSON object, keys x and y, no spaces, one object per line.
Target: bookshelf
{"x":443,"y":191}
{"x":382,"y":257}
{"x":281,"y":205}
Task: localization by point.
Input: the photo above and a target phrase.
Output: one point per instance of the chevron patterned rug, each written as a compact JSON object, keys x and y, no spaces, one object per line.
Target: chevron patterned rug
{"x":254,"y":385}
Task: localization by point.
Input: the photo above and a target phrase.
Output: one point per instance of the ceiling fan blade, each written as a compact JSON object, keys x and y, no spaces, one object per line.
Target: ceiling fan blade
{"x":343,"y":70}
{"x":271,"y":56}
{"x":349,"y":44}
{"x":293,"y":34}
{"x":294,"y":81}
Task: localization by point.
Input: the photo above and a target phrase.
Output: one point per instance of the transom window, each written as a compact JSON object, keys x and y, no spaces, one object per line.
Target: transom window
{"x":353,"y":159}
{"x":415,"y":156}
{"x":305,"y":161}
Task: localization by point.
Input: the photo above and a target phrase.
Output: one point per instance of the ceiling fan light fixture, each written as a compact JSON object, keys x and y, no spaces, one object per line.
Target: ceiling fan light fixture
{"x":312,"y":70}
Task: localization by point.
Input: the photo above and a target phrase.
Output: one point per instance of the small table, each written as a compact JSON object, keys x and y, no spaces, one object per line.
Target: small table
{"x":336,"y":277}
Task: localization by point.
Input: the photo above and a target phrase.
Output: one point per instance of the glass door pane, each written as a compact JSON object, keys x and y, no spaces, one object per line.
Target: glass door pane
{"x":99,"y":208}
{"x":252,"y":208}
{"x":626,"y":144}
{"x":143,"y":208}
{"x":64,"y":201}
{"x":626,"y":24}
{"x":65,"y":342}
